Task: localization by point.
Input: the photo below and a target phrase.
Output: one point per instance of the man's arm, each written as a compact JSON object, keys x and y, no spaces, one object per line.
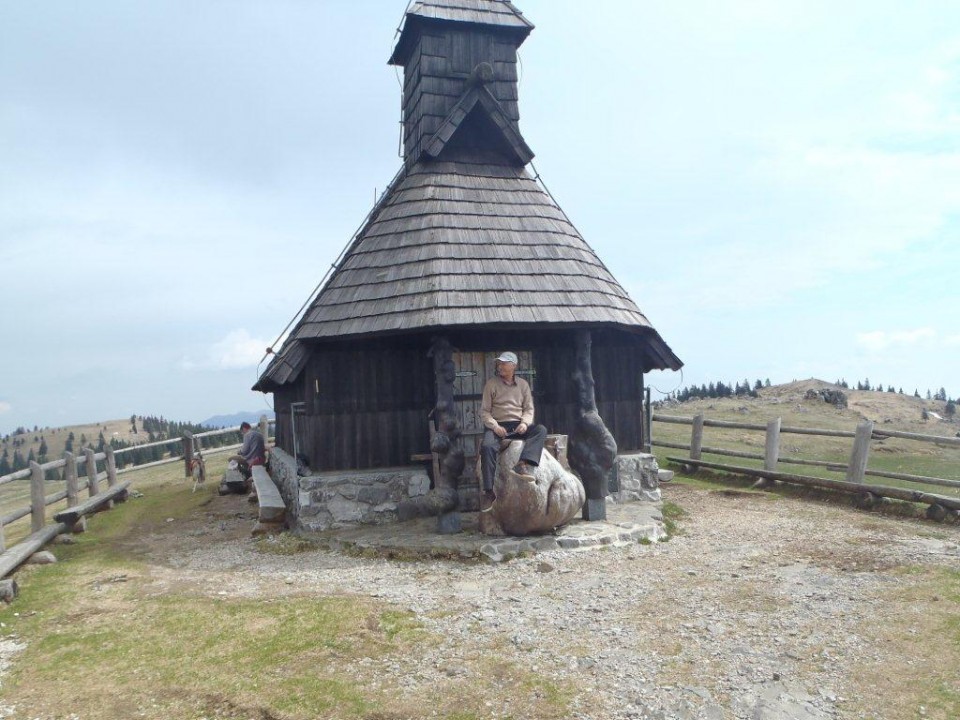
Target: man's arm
{"x":486,"y":407}
{"x":526,"y":417}
{"x":246,"y":450}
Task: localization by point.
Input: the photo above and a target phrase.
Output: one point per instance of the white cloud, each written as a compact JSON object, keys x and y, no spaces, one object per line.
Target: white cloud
{"x":879,"y":340}
{"x":237,"y":350}
{"x":5,"y":407}
{"x":952,"y":340}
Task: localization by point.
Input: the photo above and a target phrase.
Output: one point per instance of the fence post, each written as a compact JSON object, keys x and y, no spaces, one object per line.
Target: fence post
{"x":93,"y":482}
{"x":696,"y":437}
{"x":264,"y":428}
{"x":73,"y":489}
{"x":187,"y":455}
{"x":771,"y":453}
{"x":111,"y":466}
{"x":861,"y":450}
{"x":38,"y":506}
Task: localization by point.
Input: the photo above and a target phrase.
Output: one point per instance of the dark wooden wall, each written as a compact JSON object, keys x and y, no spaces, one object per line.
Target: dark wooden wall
{"x":367,"y":405}
{"x":435,"y":78}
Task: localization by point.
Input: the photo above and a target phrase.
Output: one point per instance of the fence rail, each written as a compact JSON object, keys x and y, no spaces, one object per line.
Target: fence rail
{"x":856,"y":469}
{"x":42,"y":533}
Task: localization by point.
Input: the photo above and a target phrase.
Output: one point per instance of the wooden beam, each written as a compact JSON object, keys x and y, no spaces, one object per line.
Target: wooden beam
{"x":38,"y":504}
{"x":72,"y":515}
{"x":916,"y":496}
{"x":771,"y":453}
{"x":111,"y":467}
{"x":272,"y":507}
{"x":93,"y":482}
{"x":696,"y":437}
{"x":860,"y":453}
{"x":21,"y":552}
{"x":187,"y":455}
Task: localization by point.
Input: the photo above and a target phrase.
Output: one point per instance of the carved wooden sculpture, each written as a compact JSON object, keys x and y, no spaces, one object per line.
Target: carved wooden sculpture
{"x":523,"y":507}
{"x":592,"y":450}
{"x":443,"y":497}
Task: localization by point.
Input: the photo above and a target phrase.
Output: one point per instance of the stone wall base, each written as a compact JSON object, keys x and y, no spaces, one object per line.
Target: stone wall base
{"x":635,"y":478}
{"x":328,"y":500}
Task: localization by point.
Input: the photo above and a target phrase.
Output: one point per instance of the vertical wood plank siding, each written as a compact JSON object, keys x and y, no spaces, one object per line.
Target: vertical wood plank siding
{"x":375,"y":398}
{"x":436,"y":74}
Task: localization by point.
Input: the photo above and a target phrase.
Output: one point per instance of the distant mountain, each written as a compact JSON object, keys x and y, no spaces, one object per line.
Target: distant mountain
{"x":224,"y":421}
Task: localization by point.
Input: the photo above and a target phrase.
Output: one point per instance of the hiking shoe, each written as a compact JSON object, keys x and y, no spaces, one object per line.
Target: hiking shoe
{"x":524,"y":470}
{"x":490,"y":497}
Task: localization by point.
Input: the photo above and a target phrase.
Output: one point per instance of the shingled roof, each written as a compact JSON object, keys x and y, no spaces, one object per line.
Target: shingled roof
{"x":499,"y":14}
{"x":466,"y":243}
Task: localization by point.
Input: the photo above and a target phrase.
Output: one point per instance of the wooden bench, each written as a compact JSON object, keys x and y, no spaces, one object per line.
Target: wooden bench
{"x":273,"y":511}
{"x":233,"y":482}
{"x":72,"y":515}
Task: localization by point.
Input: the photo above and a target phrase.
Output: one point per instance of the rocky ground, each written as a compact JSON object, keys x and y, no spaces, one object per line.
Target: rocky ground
{"x":760,"y":607}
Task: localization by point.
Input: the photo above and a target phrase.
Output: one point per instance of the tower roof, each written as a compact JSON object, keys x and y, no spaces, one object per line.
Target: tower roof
{"x":499,"y":14}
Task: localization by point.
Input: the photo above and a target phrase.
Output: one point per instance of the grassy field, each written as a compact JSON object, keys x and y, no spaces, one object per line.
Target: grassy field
{"x":114,"y":633}
{"x":115,"y":630}
{"x":56,"y":438}
{"x":887,"y":410}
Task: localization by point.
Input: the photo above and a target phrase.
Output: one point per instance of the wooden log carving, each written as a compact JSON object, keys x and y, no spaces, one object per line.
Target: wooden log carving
{"x":522,"y":507}
{"x":443,"y":498}
{"x":592,"y":450}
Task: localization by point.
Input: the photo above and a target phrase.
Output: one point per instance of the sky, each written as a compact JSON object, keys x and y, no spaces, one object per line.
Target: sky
{"x":776,"y":184}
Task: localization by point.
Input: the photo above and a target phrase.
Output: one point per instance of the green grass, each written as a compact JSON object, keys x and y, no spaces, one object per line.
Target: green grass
{"x":890,"y":455}
{"x":111,"y":632}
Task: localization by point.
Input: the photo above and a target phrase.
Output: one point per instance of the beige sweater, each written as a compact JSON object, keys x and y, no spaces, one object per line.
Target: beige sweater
{"x":506,"y":403}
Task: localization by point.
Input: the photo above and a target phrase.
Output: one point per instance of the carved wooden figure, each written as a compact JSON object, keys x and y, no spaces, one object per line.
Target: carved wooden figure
{"x":592,"y":448}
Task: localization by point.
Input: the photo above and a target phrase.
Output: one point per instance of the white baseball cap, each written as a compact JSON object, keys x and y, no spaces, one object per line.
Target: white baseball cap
{"x":508,"y":357}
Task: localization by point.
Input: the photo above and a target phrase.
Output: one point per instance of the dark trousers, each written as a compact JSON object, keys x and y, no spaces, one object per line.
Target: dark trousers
{"x":533,"y":440}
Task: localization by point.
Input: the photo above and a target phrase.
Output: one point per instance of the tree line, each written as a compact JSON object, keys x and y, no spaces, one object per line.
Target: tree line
{"x":157,"y":429}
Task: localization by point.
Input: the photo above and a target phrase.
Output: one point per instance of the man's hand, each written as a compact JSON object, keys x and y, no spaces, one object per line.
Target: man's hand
{"x":521,"y":429}
{"x":500,"y":431}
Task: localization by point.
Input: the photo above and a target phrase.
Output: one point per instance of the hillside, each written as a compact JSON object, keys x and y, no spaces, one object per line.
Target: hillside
{"x":899,"y":412}
{"x":119,"y":433}
{"x":56,"y":438}
{"x":790,"y":403}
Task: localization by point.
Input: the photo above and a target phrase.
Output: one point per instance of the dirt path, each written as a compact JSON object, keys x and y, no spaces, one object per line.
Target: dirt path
{"x":761,"y":607}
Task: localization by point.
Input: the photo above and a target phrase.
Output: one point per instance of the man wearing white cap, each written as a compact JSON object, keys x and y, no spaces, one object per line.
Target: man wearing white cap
{"x":507,"y":413}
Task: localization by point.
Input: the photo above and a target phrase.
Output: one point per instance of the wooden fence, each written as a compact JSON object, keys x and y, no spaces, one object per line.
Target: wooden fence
{"x":72,"y":518}
{"x":939,"y":506}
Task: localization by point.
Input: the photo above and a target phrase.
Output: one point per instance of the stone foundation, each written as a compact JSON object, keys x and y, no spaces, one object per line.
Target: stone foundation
{"x":635,"y":478}
{"x":369,"y":497}
{"x":340,"y":499}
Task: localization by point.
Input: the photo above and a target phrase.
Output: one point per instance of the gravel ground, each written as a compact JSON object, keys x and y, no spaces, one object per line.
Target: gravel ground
{"x":756,"y":609}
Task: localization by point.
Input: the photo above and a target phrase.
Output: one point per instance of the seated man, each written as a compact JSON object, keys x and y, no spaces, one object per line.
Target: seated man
{"x":253,"y":451}
{"x":507,"y":413}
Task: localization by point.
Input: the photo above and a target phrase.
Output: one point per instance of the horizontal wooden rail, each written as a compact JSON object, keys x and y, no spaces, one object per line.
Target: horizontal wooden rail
{"x":938,"y":439}
{"x":840,"y":467}
{"x":18,"y":475}
{"x":922,"y":479}
{"x":53,"y":499}
{"x":877,"y":434}
{"x":731,"y":425}
{"x":14,"y":515}
{"x":21,"y":552}
{"x":916,"y":496}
